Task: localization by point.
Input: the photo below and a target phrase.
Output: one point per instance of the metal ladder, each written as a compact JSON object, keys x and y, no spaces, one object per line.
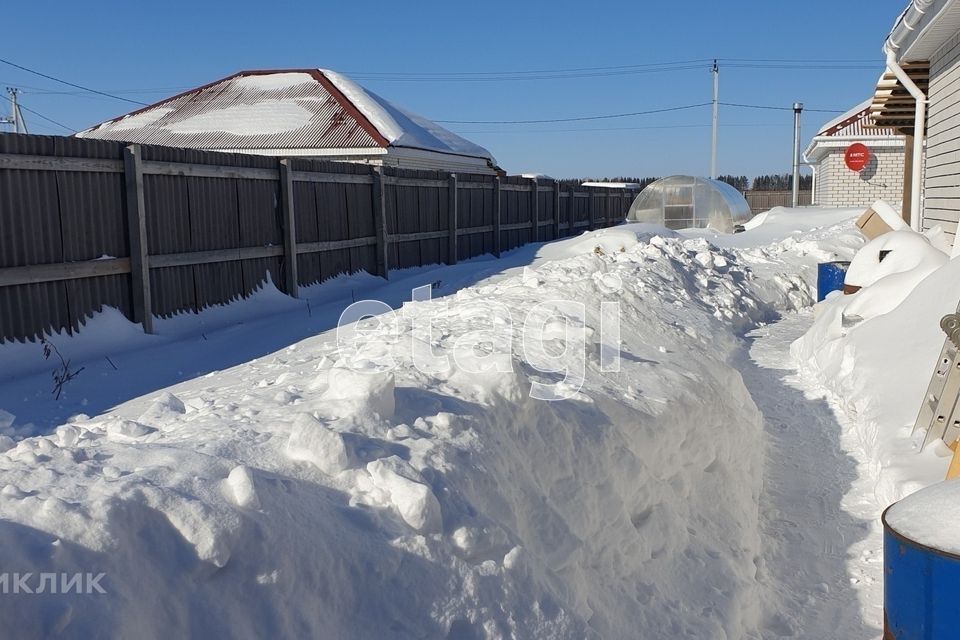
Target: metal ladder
{"x":938,"y":412}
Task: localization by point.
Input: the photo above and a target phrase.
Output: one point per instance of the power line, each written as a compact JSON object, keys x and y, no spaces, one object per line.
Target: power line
{"x":665,"y":126}
{"x":39,"y":115}
{"x":534,"y":71}
{"x":70,"y":84}
{"x":776,"y":108}
{"x":606,"y":71}
{"x":577,"y":119}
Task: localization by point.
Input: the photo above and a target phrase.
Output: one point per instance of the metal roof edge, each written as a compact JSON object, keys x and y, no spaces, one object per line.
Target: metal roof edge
{"x":905,"y":33}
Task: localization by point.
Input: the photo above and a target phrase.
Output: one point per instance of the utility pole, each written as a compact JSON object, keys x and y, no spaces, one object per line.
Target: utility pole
{"x":16,"y":116}
{"x":713,"y":144}
{"x":797,"y":109}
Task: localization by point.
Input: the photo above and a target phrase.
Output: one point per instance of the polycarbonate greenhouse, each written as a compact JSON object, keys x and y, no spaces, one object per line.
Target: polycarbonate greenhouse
{"x":683,"y":202}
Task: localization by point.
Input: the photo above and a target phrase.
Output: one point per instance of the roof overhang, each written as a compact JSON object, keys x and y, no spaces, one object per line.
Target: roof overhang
{"x":892,"y":104}
{"x":923,"y":28}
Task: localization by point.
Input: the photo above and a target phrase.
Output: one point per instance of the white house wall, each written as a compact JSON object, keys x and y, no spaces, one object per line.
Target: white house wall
{"x":882,"y":179}
{"x":942,"y":175}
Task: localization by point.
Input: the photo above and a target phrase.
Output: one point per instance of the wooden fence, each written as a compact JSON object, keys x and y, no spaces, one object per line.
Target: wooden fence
{"x":760,"y":201}
{"x":154,"y":231}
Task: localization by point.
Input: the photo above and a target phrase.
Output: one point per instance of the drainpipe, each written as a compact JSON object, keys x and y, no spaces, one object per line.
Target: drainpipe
{"x":813,"y":185}
{"x":920,"y":115}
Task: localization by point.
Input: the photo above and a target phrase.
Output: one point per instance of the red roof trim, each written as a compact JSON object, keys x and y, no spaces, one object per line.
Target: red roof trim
{"x":349,"y":107}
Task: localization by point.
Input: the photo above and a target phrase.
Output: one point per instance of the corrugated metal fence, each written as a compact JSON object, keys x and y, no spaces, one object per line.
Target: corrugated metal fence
{"x":153,"y":231}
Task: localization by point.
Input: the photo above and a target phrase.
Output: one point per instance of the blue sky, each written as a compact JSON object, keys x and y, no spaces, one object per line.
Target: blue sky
{"x":149,"y":50}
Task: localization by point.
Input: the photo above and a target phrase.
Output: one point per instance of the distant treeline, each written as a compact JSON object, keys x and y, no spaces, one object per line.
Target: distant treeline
{"x":781,"y":182}
{"x":772,"y":182}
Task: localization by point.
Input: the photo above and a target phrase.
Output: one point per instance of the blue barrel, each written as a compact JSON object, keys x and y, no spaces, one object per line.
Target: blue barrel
{"x":830,"y":277}
{"x":921,"y":589}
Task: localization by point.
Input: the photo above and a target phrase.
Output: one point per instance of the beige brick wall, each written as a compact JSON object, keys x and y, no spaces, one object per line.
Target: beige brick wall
{"x":882,"y":179}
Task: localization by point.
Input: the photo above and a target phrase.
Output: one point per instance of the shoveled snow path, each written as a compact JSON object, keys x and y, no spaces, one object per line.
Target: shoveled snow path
{"x":823,"y":563}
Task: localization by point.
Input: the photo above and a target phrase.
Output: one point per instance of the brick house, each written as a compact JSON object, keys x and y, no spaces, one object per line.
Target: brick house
{"x":834,"y":185}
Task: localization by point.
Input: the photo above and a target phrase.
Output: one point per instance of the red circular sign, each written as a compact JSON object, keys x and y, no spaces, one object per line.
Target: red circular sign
{"x":856,"y":156}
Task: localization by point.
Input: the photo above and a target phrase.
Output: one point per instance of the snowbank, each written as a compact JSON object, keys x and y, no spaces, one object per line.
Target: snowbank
{"x":345,"y":492}
{"x":401,"y":479}
{"x":874,"y":351}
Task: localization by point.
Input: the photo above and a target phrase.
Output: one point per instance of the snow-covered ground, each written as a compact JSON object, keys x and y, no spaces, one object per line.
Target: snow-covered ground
{"x":401,"y":479}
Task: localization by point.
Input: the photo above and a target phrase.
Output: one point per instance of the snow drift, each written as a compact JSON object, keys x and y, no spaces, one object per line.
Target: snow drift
{"x":400,"y":479}
{"x":874,"y":352}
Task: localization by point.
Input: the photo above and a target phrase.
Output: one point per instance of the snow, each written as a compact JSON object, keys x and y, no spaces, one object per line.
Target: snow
{"x":853,"y":361}
{"x":273,"y":81}
{"x":261,"y":118}
{"x":252,"y":472}
{"x":889,"y":215}
{"x":135,"y":121}
{"x":400,"y":127}
{"x":929,"y":517}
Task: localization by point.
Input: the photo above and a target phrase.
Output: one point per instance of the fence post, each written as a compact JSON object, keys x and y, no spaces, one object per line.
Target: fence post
{"x":571,"y":209}
{"x":137,"y":234}
{"x":556,"y":209}
{"x":380,"y":223}
{"x":496,"y":216}
{"x":452,"y":211}
{"x":534,"y":211}
{"x":593,"y":209}
{"x":289,"y":229}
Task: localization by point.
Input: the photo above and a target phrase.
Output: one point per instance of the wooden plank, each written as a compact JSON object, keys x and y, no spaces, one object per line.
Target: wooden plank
{"x":189,"y":258}
{"x":137,"y":234}
{"x":556,"y":209}
{"x":514,"y":187}
{"x":469,"y":231}
{"x":534,"y":211}
{"x":37,"y":273}
{"x":339,"y":178}
{"x":423,"y":235}
{"x":497,"y":228}
{"x":452,"y":210}
{"x":336,"y":245}
{"x":515,"y":226}
{"x":415,"y":182}
{"x":288,"y":221}
{"x":54,"y":163}
{"x":380,"y":219}
{"x":467,"y":184}
{"x":592,"y":212}
{"x":155,"y":167}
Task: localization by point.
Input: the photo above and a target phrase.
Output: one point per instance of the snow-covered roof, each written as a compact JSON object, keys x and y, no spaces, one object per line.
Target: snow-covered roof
{"x":283,"y":110}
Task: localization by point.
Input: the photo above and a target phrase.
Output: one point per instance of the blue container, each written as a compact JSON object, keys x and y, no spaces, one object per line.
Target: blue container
{"x":921,"y":589}
{"x":830,"y":277}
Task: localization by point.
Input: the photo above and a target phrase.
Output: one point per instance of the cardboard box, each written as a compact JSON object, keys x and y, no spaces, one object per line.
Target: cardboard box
{"x":880,"y":218}
{"x":871,"y":224}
